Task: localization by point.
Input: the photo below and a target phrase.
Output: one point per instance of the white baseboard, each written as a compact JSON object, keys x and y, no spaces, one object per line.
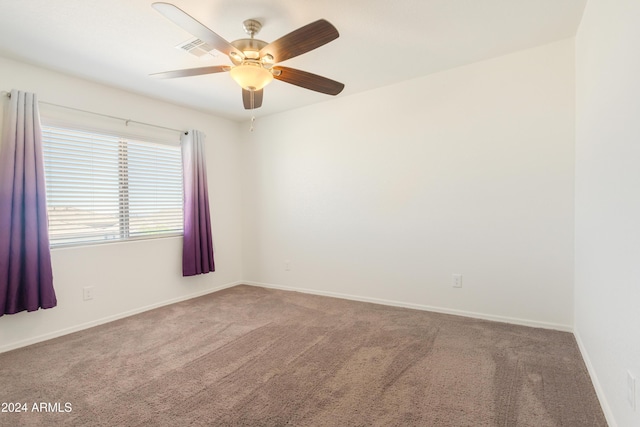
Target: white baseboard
{"x":513,"y":320}
{"x":608,"y":414}
{"x":76,"y":328}
{"x":108,"y":319}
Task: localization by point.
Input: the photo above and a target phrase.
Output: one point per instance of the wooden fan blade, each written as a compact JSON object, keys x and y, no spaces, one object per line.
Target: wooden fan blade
{"x":193,"y":26}
{"x":308,"y":80}
{"x":191,"y":72}
{"x":300,"y":41}
{"x":257,"y":99}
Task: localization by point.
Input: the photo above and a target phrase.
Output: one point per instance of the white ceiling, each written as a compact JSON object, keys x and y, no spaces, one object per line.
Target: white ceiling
{"x":120,"y":42}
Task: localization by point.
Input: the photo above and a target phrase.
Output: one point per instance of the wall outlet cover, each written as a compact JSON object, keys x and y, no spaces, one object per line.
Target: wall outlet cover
{"x":87,"y":293}
{"x":456,"y":280}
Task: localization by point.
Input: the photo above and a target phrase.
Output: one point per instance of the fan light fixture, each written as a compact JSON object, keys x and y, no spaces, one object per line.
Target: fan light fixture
{"x":251,"y":76}
{"x":256,"y":62}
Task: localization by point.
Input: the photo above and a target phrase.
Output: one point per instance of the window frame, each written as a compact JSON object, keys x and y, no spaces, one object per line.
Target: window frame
{"x":125,"y":139}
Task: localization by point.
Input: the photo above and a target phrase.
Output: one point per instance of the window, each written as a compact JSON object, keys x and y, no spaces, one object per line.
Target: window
{"x":102,"y":187}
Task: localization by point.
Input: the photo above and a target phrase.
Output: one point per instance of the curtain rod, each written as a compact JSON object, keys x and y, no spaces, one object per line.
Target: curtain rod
{"x":126,"y":121}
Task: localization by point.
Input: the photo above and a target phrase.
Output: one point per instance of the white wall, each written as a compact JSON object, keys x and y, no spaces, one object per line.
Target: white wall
{"x":377,"y":196}
{"x":607,"y":200}
{"x":132,"y":276}
{"x":383,"y":195}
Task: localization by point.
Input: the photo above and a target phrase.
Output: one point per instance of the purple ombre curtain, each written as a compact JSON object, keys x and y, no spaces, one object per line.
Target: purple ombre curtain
{"x":197,"y":246}
{"x":26,"y":279}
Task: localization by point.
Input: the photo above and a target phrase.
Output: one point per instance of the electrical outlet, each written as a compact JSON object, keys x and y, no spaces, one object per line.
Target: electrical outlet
{"x":287,"y":265}
{"x":87,"y":293}
{"x":631,"y":390}
{"x":456,"y":280}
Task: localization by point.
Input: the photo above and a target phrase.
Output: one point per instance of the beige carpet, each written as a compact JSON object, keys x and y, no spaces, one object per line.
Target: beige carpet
{"x":249,"y":356}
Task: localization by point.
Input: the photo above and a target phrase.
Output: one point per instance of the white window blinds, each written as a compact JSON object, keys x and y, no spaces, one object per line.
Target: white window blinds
{"x":103,"y":188}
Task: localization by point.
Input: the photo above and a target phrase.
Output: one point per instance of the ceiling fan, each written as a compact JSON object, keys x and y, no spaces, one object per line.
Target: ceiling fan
{"x":254,"y":61}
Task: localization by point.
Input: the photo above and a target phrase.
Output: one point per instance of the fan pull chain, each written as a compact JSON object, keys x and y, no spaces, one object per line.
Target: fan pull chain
{"x":253,"y":119}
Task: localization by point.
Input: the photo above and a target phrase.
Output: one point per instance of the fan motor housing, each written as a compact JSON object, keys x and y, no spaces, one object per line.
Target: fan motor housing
{"x":249,"y":44}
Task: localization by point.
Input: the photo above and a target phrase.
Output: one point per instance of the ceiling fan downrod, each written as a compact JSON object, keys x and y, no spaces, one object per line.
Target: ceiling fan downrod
{"x":251,"y":27}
